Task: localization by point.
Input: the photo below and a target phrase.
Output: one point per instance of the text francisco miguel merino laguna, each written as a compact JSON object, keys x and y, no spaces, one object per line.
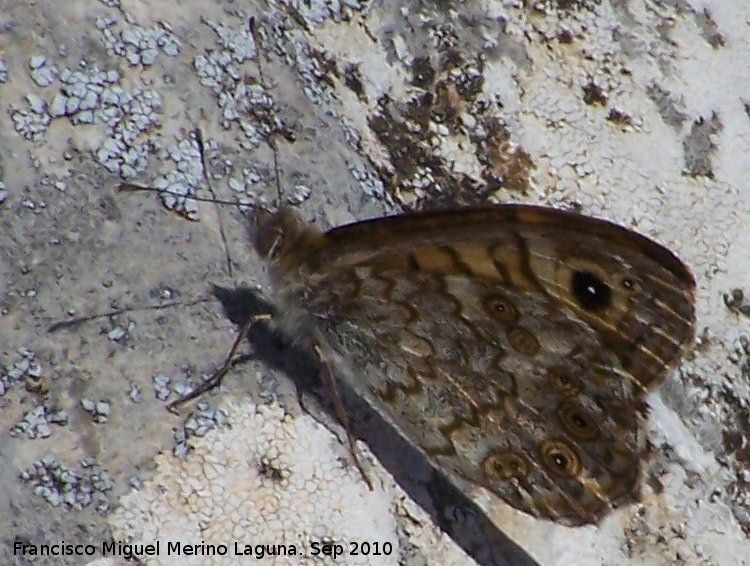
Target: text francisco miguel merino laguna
{"x":172,"y":548}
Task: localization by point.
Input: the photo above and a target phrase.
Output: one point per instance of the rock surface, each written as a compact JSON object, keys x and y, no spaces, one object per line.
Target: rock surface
{"x":636,"y":112}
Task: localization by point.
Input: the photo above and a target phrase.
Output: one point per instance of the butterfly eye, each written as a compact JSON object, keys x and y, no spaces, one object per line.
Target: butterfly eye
{"x":558,"y":457}
{"x":576,"y":421}
{"x":277,"y":234}
{"x":505,"y":465}
{"x":591,"y":292}
{"x":500,"y":308}
{"x":270,"y":235}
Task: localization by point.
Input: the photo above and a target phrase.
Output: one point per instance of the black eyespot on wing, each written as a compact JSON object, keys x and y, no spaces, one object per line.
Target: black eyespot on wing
{"x":577,"y":422}
{"x":590,"y":291}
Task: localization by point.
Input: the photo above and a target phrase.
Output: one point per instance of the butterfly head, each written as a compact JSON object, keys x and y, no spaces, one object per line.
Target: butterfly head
{"x":284,"y":239}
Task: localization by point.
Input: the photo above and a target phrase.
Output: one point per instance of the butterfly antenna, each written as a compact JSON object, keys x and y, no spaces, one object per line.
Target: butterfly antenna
{"x":134,"y":188}
{"x":72,"y":322}
{"x":271,"y":137}
{"x":222,"y":232}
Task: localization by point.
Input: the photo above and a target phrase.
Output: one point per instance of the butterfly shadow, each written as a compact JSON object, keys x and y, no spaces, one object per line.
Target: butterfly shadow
{"x":429,"y":488}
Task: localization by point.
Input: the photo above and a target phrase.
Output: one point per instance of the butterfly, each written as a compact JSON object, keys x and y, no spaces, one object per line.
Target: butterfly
{"x":513,"y":345}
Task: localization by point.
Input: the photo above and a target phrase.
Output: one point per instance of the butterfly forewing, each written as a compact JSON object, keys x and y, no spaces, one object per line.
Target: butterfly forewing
{"x":513,"y":345}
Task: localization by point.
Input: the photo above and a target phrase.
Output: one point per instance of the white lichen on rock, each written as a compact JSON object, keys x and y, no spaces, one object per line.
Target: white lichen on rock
{"x":265,"y":479}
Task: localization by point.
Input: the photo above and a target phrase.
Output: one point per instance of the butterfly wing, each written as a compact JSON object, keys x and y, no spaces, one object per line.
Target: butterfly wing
{"x":514,"y":345}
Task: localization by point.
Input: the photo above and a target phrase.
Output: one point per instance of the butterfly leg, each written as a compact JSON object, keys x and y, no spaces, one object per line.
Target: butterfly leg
{"x":341,"y":413}
{"x":218,"y":375}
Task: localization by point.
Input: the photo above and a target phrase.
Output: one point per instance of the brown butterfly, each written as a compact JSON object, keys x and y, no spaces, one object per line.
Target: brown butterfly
{"x":514,"y":345}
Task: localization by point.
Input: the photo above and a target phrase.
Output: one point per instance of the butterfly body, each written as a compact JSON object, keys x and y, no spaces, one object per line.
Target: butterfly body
{"x":514,"y":345}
